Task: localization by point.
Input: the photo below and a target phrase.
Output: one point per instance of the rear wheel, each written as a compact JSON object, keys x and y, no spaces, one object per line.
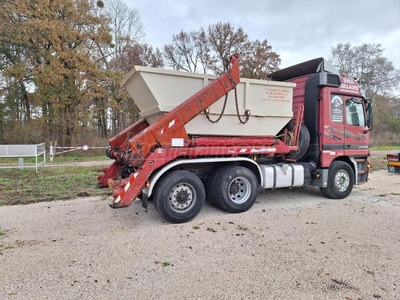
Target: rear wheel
{"x":236,"y":190}
{"x":179,"y":196}
{"x":213,"y":182}
{"x":340,"y":181}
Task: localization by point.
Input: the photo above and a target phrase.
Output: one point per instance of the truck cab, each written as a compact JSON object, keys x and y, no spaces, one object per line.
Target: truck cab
{"x":337,"y":117}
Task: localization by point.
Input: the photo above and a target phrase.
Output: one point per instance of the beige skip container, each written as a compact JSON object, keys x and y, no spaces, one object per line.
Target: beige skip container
{"x":157,"y":91}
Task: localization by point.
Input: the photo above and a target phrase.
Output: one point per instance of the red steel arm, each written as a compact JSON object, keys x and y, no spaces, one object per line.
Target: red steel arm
{"x":118,"y":146}
{"x":172,"y":124}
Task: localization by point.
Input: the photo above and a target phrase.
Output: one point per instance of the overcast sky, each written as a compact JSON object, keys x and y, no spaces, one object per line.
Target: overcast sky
{"x":297,"y":30}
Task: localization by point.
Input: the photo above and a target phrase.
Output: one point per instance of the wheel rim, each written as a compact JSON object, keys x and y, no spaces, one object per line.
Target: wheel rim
{"x":239,"y":190}
{"x":342,"y":180}
{"x":182,"y":197}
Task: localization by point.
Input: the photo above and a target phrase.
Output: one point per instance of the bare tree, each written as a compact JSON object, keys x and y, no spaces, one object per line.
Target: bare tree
{"x":188,"y":52}
{"x":367,"y":63}
{"x":379,"y":80}
{"x":143,"y":55}
{"x":209,"y":51}
{"x":224,"y":40}
{"x":126,"y":28}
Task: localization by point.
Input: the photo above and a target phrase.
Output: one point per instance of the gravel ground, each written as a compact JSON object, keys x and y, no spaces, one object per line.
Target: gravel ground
{"x":293,"y":244}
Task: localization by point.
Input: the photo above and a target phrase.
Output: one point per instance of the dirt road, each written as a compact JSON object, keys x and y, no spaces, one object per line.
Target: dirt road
{"x":293,"y":244}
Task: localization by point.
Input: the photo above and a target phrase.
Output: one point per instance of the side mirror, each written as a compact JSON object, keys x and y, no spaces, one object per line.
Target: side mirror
{"x":368,"y":110}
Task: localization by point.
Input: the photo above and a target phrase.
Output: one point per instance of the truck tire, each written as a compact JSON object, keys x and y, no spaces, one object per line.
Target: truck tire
{"x":179,"y":196}
{"x":212,"y":182}
{"x":304,"y":141}
{"x":340,"y":181}
{"x":236,"y":190}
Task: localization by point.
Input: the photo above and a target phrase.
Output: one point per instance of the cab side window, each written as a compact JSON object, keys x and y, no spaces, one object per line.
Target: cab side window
{"x":354,"y":113}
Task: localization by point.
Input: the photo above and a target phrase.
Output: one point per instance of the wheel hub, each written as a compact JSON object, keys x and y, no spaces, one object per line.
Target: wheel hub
{"x":181,"y":197}
{"x":239,"y":190}
{"x":342,"y":181}
{"x":234,"y":188}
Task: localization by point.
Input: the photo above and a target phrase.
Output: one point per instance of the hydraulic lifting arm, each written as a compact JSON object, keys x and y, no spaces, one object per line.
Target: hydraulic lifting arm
{"x":133,"y":145}
{"x":171,"y":125}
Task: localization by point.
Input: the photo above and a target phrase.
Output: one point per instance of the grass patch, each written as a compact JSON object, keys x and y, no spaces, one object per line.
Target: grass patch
{"x":386,"y":147}
{"x":78,"y":158}
{"x":56,"y":183}
{"x":58,"y":159}
{"x":2,"y":233}
{"x":377,"y":163}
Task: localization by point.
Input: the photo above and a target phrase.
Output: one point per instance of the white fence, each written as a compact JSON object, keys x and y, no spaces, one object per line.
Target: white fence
{"x":54,"y":150}
{"x":27,"y":150}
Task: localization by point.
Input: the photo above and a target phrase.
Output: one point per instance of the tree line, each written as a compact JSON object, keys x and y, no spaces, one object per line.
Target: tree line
{"x":62,"y":61}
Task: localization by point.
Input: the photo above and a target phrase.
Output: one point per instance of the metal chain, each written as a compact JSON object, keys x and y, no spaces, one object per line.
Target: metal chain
{"x":206,"y":111}
{"x":246,"y":112}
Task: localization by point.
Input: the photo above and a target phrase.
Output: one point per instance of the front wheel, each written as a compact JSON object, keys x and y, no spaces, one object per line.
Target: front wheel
{"x":179,"y":196}
{"x":340,"y":181}
{"x":237,"y":189}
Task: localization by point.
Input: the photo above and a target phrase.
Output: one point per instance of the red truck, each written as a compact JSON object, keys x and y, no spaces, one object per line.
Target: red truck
{"x":306,"y":126}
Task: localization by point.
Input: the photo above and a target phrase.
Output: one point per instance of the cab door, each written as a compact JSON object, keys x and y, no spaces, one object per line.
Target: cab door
{"x":355,"y":128}
{"x":333,"y":131}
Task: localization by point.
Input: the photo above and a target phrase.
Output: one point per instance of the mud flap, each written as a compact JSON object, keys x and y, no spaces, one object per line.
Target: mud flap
{"x":322,"y":179}
{"x":145,"y":200}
